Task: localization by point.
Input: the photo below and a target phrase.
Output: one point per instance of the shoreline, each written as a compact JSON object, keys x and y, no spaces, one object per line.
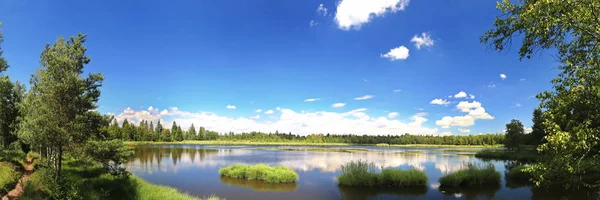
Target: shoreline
{"x":251,"y":143}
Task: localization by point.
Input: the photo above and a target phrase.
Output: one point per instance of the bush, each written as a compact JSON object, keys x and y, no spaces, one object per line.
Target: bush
{"x":12,"y":156}
{"x":364,"y":174}
{"x":519,"y":173}
{"x":9,"y":176}
{"x":110,"y":154}
{"x":262,"y":172}
{"x":472,"y":176}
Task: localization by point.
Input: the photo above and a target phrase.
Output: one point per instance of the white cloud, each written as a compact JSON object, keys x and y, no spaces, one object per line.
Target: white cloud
{"x":445,"y":133}
{"x":466,"y":106}
{"x":528,"y":129}
{"x":364,"y":97}
{"x":311,"y":100}
{"x":277,"y":108}
{"x":322,"y":10}
{"x":474,"y":111}
{"x":516,"y":105}
{"x":399,"y":53}
{"x":460,"y":94}
{"x":522,"y":79}
{"x":258,"y":110}
{"x":439,"y":102}
{"x":313,"y":23}
{"x":491,"y":85}
{"x":231,"y":107}
{"x":471,"y":96}
{"x":397,"y":90}
{"x":354,"y":13}
{"x":268,"y":112}
{"x":352,"y":122}
{"x":464,"y":130}
{"x":338,"y":105}
{"x":255,"y":117}
{"x":392,"y":114}
{"x":503,"y":76}
{"x":425,"y":40}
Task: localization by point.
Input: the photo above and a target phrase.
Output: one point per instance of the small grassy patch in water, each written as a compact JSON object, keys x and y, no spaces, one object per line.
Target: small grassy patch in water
{"x":518,"y":155}
{"x":268,"y":174}
{"x":472,"y":176}
{"x":519,"y":173}
{"x":364,"y":174}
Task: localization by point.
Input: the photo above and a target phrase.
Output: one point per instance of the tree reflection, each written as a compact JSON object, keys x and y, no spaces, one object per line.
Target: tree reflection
{"x":487,"y":192}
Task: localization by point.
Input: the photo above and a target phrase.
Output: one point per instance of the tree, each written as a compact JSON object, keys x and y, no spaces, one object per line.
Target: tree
{"x":110,"y":154}
{"x":514,"y":133}
{"x":571,"y":118}
{"x":159,"y":130}
{"x":59,"y":99}
{"x":3,"y":62}
{"x":201,"y":133}
{"x":11,"y":98}
{"x":191,"y":133}
{"x":537,"y":130}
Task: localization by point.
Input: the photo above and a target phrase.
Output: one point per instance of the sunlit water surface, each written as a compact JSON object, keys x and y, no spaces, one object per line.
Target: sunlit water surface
{"x":193,"y":169}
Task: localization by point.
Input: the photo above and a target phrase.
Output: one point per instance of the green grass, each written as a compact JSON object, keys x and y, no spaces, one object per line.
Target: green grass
{"x":517,"y":155}
{"x":364,"y":174}
{"x":382,"y":145}
{"x":519,"y":173}
{"x":14,"y":157}
{"x":89,"y":181}
{"x":257,"y":185}
{"x":9,"y":176}
{"x":472,"y":176}
{"x":277,"y":174}
{"x":317,"y":149}
{"x":252,"y":143}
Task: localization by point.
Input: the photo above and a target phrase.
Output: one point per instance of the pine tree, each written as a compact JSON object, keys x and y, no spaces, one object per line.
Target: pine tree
{"x":191,"y":133}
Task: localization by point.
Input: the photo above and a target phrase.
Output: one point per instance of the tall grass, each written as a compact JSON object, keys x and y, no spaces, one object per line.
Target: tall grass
{"x":278,"y":174}
{"x":364,"y":174}
{"x":9,"y":176}
{"x":522,"y":155}
{"x":472,"y":176}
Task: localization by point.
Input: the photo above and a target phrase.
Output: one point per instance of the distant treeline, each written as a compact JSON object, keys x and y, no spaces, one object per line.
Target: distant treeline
{"x":147,"y":131}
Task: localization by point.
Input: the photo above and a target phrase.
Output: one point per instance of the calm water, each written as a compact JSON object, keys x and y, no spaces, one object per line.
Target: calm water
{"x":194,"y":170}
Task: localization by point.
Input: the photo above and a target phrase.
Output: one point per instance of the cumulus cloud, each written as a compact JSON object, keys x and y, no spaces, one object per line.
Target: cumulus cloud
{"x":338,"y":105}
{"x":398,"y":53}
{"x":354,"y":13}
{"x":474,"y":111}
{"x":439,"y":102}
{"x":311,"y":100}
{"x":471,"y":96}
{"x":460,"y":94}
{"x":392,"y":114}
{"x":268,"y":112}
{"x":352,"y":122}
{"x":464,"y":130}
{"x":322,"y":10}
{"x":313,"y":23}
{"x":503,"y":76}
{"x":231,"y":107}
{"x":364,"y":97}
{"x":422,"y":41}
{"x":258,"y":110}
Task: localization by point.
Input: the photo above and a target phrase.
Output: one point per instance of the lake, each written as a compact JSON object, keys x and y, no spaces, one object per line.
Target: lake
{"x":193,"y":169}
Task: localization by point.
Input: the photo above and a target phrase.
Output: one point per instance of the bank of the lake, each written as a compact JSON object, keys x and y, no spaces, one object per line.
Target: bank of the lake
{"x":254,"y":143}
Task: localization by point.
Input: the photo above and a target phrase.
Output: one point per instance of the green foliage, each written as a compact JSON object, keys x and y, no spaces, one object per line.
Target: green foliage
{"x":277,"y":174}
{"x":571,"y":118}
{"x":519,"y":173}
{"x":110,"y":154}
{"x":364,"y":174}
{"x":9,"y":176}
{"x":515,"y":133}
{"x":12,"y":156}
{"x":472,"y":176}
{"x":537,"y":130}
{"x":11,"y":99}
{"x":382,"y":145}
{"x":522,"y":155}
{"x":3,"y":62}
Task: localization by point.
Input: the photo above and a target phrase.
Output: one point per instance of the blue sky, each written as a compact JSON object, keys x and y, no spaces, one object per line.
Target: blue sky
{"x":190,"y":60}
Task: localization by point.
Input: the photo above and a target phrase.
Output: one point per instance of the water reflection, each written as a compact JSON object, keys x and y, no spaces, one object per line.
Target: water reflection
{"x":487,"y":192}
{"x":352,"y":193}
{"x":258,"y":185}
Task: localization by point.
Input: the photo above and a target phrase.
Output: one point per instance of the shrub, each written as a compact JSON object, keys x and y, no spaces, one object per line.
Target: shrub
{"x":110,"y":154}
{"x":9,"y":176}
{"x":278,"y":174}
{"x":472,"y":176}
{"x":364,"y":174}
{"x":519,"y":173}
